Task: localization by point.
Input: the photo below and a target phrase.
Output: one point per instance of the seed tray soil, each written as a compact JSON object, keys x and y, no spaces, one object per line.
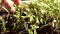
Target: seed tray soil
{"x":45,"y":30}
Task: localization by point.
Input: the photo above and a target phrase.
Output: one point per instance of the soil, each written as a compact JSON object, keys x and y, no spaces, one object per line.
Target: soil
{"x":45,"y":30}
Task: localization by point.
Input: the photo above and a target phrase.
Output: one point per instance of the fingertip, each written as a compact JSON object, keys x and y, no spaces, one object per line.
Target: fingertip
{"x":0,"y":3}
{"x":12,"y":10}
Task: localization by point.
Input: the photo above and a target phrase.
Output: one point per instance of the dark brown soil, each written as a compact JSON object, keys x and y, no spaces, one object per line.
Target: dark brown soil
{"x":44,"y":30}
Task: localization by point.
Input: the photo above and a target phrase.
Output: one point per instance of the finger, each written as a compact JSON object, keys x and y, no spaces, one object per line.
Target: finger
{"x":0,"y":3}
{"x":9,"y":5}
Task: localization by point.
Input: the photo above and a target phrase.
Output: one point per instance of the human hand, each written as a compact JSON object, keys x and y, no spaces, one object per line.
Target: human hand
{"x":9,"y":4}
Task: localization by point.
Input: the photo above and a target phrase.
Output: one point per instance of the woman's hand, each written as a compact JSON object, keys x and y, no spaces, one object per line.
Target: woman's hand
{"x":9,"y":4}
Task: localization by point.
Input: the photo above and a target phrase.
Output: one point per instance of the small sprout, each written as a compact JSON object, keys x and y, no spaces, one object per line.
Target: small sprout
{"x":31,"y":19}
{"x":26,"y":25}
{"x":24,"y":17}
{"x":4,"y":29}
{"x":17,"y":14}
{"x":14,"y":26}
{"x":37,"y":21}
{"x":19,"y":6}
{"x":43,"y":11}
{"x":1,"y":18}
{"x":41,"y":20}
{"x":53,"y":24}
{"x":25,"y":12}
{"x":54,"y":20}
{"x":6,"y":22}
{"x":10,"y":17}
{"x":30,"y":32}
